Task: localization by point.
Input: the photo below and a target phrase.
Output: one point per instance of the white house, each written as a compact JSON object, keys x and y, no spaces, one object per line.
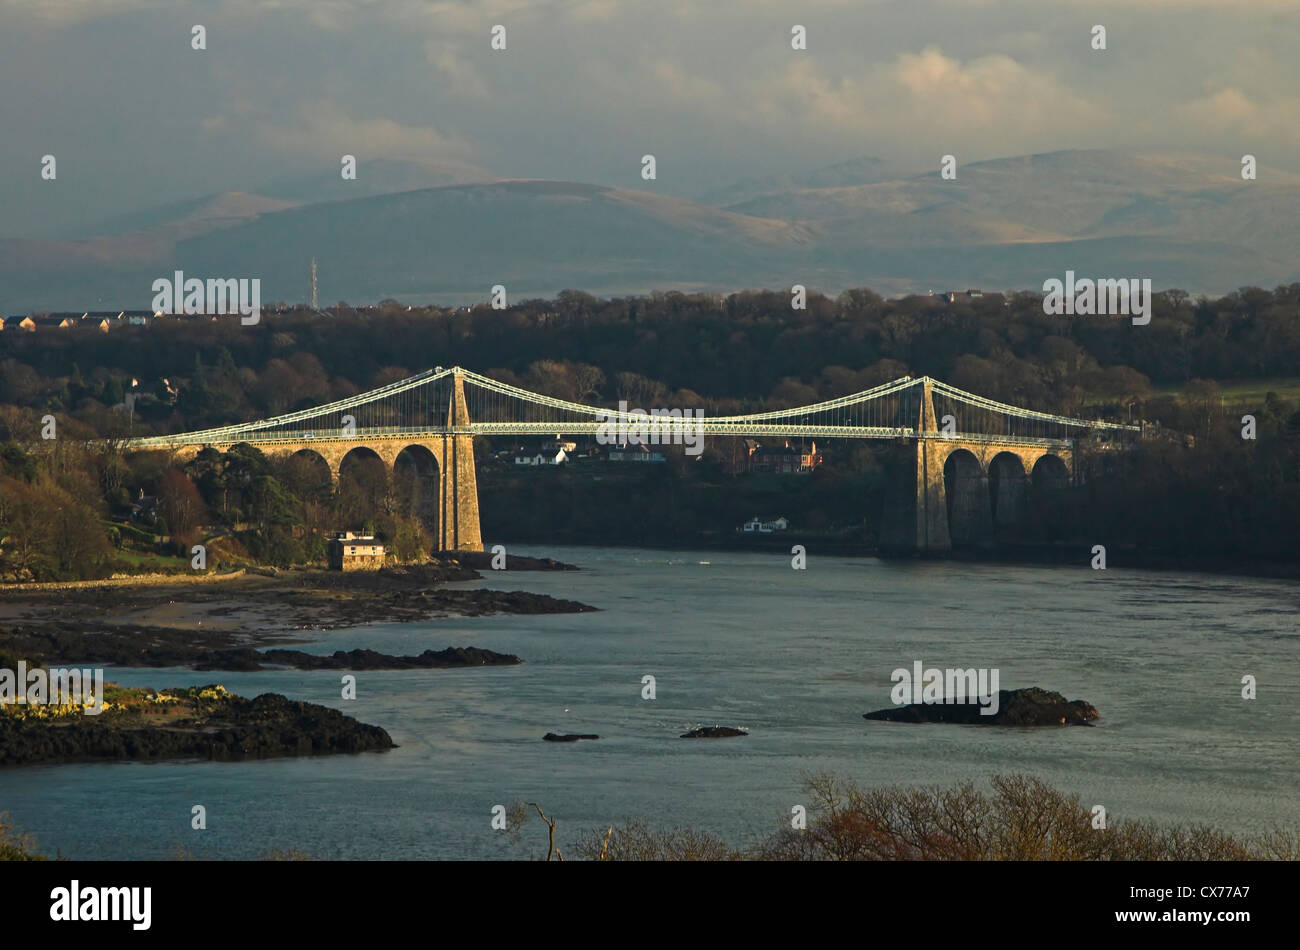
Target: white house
{"x":546,"y":456}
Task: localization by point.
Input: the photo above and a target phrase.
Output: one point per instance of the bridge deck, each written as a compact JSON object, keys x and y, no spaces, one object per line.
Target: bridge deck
{"x":666,"y":434}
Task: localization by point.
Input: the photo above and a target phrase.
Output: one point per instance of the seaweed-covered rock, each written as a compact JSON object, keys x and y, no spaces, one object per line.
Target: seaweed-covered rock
{"x":371,"y":660}
{"x":203,"y":722}
{"x":713,"y":732}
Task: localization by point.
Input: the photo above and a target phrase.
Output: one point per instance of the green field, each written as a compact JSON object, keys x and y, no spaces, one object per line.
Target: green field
{"x":149,"y":560}
{"x":1248,"y":391}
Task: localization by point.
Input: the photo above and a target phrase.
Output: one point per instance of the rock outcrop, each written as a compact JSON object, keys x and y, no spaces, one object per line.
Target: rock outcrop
{"x":202,"y":722}
{"x":249,"y":659}
{"x":713,"y":732}
{"x":1016,"y":707}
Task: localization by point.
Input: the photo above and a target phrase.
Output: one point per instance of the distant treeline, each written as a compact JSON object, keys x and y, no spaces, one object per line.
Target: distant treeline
{"x":743,"y":351}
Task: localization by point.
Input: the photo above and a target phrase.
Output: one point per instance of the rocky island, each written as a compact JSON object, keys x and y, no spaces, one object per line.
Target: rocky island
{"x":200,"y":722}
{"x":1016,"y":707}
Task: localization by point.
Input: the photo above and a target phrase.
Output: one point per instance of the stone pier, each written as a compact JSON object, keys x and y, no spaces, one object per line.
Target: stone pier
{"x":951,"y":490}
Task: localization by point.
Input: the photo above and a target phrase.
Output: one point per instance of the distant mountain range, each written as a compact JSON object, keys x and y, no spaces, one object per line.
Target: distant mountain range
{"x":436,"y":234}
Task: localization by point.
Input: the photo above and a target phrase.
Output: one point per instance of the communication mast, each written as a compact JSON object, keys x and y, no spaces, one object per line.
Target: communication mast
{"x":315,"y":304}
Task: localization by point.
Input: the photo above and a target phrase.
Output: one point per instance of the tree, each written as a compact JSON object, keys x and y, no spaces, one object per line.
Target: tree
{"x":112,"y":394}
{"x":588,"y":381}
{"x":639,"y":391}
{"x":553,"y":378}
{"x":25,"y":525}
{"x":47,"y":534}
{"x":1205,"y":401}
{"x":180,"y":503}
{"x":15,"y":462}
{"x":791,"y":392}
{"x":279,"y":386}
{"x":271,"y":505}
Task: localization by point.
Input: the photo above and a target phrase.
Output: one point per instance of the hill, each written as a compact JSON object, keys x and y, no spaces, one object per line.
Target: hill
{"x":1187,"y":222}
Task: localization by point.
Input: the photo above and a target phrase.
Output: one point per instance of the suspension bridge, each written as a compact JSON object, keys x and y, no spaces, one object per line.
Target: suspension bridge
{"x":974,"y":457}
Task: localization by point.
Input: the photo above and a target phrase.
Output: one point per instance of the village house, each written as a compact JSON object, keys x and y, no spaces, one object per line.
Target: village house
{"x":542,"y":457}
{"x":634,"y":452}
{"x":549,"y":453}
{"x":354,"y":552}
{"x":972,"y":295}
{"x":102,"y":320}
{"x":754,"y":526}
{"x":145,"y":509}
{"x":784,"y":459}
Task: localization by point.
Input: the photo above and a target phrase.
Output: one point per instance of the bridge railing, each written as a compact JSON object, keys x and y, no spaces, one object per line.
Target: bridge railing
{"x":667,"y":434}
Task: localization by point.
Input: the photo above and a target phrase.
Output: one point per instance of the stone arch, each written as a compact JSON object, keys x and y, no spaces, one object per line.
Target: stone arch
{"x":363,"y":483}
{"x":311,"y":471}
{"x":970,"y":520}
{"x":358,"y":454}
{"x":1051,"y":473}
{"x":416,"y":484}
{"x":1049,"y":482}
{"x":1008,"y":489}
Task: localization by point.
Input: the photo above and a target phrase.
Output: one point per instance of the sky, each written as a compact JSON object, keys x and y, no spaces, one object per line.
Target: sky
{"x":136,"y":118}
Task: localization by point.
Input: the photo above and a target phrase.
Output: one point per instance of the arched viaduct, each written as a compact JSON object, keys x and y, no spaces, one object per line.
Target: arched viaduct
{"x":957,"y":489}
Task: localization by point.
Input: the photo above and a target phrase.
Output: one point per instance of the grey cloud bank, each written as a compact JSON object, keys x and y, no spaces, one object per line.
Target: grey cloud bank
{"x":584,"y":89}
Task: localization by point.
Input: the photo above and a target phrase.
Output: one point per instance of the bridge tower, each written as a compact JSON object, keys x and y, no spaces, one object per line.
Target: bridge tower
{"x":916,"y":507}
{"x":458,"y":517}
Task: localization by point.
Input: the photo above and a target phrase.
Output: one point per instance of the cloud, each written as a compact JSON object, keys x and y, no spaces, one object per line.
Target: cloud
{"x":711,"y":87}
{"x":322,"y":128}
{"x":1230,"y":111}
{"x":65,"y":12}
{"x":928,"y":97}
{"x":331,"y":15}
{"x":456,"y":75}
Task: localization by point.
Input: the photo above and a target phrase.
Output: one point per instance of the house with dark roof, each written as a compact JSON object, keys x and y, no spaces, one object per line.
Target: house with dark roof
{"x":784,"y":459}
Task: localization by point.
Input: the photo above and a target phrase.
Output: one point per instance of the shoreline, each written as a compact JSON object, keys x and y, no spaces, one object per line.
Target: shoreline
{"x":1045,"y":554}
{"x":1021,"y":554}
{"x":222,"y":626}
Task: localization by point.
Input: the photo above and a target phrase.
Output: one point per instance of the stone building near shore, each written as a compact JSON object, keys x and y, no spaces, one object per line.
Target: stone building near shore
{"x":353,"y":552}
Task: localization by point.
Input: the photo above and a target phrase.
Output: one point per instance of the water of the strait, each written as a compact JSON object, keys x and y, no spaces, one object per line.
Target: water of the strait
{"x":736,"y":639}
